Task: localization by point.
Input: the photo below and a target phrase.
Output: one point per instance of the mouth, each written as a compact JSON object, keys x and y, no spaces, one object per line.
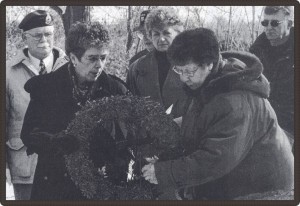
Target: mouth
{"x":43,"y":46}
{"x":163,"y":45}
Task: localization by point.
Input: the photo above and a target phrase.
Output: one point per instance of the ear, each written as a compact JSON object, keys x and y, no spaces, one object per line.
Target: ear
{"x":210,"y":66}
{"x":290,"y":23}
{"x":24,"y":38}
{"x":73,"y":58}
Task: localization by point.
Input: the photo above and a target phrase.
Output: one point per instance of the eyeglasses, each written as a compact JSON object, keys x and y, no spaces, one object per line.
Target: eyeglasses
{"x":94,"y":59}
{"x":39,"y":36}
{"x":189,"y":73}
{"x":274,"y":23}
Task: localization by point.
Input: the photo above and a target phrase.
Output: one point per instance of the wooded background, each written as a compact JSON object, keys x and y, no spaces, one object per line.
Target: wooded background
{"x":235,"y":26}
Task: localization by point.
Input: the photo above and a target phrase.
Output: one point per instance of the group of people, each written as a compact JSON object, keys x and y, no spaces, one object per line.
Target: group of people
{"x":235,"y":109}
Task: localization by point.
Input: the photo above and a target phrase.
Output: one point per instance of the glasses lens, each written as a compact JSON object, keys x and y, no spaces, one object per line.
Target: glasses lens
{"x":274,"y":23}
{"x":265,"y":23}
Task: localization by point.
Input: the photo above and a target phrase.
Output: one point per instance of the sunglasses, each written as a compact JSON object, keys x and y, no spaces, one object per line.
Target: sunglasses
{"x":274,"y":23}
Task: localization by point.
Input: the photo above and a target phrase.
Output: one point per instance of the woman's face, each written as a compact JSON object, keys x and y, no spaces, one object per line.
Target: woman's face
{"x":163,"y":38}
{"x":91,"y":64}
{"x":193,"y":75}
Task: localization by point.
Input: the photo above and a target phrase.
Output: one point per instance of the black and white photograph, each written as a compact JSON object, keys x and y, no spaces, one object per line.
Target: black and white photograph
{"x":145,"y":102}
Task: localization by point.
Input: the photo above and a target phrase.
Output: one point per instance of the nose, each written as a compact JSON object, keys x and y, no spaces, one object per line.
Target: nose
{"x":269,"y":26}
{"x":43,"y":39}
{"x":162,"y":38}
{"x":99,"y":63}
{"x":183,"y":78}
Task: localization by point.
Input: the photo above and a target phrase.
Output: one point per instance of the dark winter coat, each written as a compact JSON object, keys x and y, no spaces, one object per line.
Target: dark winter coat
{"x":51,"y":109}
{"x":278,"y":62}
{"x":143,"y":80}
{"x":233,"y":143}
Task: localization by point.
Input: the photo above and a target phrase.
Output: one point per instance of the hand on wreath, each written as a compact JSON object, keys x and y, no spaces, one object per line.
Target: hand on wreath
{"x":152,"y":159}
{"x":149,"y":173}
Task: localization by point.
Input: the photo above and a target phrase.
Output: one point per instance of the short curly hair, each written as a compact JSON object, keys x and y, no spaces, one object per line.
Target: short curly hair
{"x":83,"y":36}
{"x":161,"y":17}
{"x":198,"y":46}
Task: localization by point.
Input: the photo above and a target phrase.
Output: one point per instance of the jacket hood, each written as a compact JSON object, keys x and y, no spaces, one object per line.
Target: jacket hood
{"x":236,"y":71}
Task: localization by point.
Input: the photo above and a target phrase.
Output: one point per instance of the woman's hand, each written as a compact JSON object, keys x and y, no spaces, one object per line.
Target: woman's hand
{"x":149,"y":173}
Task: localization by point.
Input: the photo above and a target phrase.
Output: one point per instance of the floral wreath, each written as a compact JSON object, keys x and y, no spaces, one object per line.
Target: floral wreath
{"x":138,"y":114}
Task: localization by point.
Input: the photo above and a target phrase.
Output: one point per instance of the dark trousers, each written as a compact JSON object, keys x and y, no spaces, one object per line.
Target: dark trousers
{"x":22,"y":191}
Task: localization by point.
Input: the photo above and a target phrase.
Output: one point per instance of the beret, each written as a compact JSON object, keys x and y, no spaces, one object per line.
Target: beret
{"x":142,"y":20}
{"x":38,"y":18}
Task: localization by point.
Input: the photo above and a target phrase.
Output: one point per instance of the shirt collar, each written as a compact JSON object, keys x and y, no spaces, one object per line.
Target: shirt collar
{"x":48,"y":61}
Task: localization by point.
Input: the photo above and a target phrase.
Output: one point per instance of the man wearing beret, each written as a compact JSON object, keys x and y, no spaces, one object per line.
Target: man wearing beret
{"x":37,"y":58}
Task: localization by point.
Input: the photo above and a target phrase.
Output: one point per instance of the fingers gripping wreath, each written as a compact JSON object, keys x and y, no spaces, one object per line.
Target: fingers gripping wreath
{"x":150,"y":133}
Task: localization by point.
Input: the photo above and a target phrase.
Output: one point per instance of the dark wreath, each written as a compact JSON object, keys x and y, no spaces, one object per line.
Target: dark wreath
{"x":151,"y":133}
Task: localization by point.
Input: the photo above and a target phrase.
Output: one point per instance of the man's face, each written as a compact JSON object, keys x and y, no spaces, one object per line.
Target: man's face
{"x":277,"y":34}
{"x":40,"y":41}
{"x":163,"y":38}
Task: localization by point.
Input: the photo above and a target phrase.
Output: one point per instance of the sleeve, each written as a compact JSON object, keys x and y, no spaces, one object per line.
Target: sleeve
{"x":7,"y":109}
{"x":225,"y":144}
{"x":35,"y":138}
{"x":31,"y":120}
{"x":7,"y":115}
{"x":131,"y":78}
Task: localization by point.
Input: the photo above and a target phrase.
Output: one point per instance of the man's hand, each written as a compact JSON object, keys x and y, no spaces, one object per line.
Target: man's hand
{"x":149,"y":173}
{"x":8,"y":176}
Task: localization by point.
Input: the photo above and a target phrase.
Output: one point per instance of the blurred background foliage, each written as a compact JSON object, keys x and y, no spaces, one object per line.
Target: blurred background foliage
{"x":236,"y":27}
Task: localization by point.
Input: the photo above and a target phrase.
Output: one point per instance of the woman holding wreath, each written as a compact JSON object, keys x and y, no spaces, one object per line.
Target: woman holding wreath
{"x":55,"y":98}
{"x":232,"y":141}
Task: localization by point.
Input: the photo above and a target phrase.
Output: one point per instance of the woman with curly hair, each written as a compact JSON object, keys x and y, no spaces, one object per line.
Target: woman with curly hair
{"x":151,"y":75}
{"x":232,"y":141}
{"x":55,"y":98}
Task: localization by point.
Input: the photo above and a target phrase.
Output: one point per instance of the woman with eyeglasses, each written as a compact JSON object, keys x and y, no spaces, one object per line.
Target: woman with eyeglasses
{"x":275,"y":48}
{"x":55,"y":98}
{"x":232,"y":141}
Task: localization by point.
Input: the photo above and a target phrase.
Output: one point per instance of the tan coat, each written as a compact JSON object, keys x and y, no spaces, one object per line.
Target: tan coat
{"x":20,"y":70}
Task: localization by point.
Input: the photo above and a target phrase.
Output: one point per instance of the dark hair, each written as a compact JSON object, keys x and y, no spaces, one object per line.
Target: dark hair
{"x":288,"y":10}
{"x":198,"y":46}
{"x":83,"y":36}
{"x":159,"y":18}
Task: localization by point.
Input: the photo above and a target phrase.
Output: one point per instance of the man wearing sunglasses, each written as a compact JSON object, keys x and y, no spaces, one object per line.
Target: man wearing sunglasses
{"x":37,"y":58}
{"x":275,"y":49}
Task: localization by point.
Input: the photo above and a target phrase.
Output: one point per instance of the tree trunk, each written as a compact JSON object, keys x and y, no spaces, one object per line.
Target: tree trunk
{"x":73,"y":14}
{"x":129,"y":37}
{"x":253,"y":25}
